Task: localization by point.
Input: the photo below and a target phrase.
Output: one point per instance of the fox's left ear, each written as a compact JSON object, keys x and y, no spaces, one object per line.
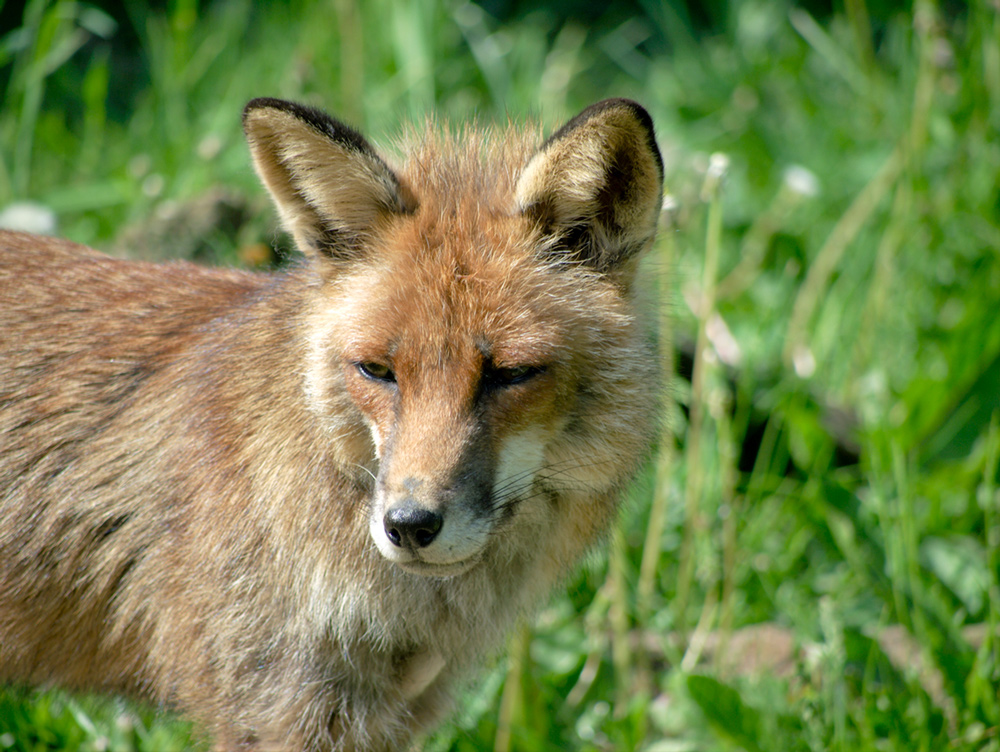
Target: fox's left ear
{"x":331,"y":188}
{"x":595,"y":187}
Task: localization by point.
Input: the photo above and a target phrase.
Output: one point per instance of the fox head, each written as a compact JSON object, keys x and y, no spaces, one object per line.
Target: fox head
{"x":473,"y":309}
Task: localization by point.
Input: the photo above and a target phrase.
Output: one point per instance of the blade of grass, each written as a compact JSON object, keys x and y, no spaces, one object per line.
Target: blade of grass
{"x":95,"y":116}
{"x":511,"y":712}
{"x":352,"y":55}
{"x":985,"y":677}
{"x":695,"y":523}
{"x":40,"y":24}
{"x":828,"y":257}
{"x":729,"y":512}
{"x":666,"y":456}
{"x":618,"y":616}
{"x":839,"y":60}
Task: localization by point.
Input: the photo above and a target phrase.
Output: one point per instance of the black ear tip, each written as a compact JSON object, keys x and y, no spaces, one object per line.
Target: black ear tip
{"x":258,"y":102}
{"x":313,"y":118}
{"x":636,"y":110}
{"x":638,"y":113}
{"x":310,"y":115}
{"x":264,"y":103}
{"x":631,"y":105}
{"x":641,"y":115}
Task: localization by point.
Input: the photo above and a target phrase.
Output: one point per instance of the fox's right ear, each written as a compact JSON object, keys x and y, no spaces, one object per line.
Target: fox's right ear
{"x":330,"y":187}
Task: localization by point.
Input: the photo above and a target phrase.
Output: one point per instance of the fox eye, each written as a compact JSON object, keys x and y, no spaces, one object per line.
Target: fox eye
{"x":376,"y":371}
{"x":500,"y":377}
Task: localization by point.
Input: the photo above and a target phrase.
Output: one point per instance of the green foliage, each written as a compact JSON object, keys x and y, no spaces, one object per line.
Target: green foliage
{"x":33,"y":722}
{"x":829,"y":294}
{"x":726,"y":711}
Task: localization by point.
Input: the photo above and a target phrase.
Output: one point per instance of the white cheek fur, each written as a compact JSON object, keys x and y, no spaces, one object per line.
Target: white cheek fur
{"x":376,"y":439}
{"x":520,"y":459}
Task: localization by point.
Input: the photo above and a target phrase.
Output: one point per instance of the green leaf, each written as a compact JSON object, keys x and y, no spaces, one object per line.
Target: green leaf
{"x":726,"y":711}
{"x":960,"y":563}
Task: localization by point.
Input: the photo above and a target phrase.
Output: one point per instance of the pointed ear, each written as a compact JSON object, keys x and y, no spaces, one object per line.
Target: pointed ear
{"x":330,"y":187}
{"x":595,"y":187}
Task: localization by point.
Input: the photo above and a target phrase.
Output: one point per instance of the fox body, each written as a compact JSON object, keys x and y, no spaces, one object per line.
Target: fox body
{"x":299,"y":506}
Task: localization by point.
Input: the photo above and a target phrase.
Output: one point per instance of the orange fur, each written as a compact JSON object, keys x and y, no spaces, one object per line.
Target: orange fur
{"x":299,"y":507}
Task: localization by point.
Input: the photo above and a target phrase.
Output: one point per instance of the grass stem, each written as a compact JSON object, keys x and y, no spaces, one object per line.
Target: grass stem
{"x":618,"y":616}
{"x":828,"y":257}
{"x":695,"y":522}
{"x":511,"y":712}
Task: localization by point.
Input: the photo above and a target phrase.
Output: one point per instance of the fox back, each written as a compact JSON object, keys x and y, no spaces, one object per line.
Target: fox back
{"x":300,"y":506}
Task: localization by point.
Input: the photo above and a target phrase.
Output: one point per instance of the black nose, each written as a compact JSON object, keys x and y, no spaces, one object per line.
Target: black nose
{"x":411,"y":525}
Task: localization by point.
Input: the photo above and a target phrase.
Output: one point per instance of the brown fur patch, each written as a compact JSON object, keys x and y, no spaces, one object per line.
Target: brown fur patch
{"x":299,"y":506}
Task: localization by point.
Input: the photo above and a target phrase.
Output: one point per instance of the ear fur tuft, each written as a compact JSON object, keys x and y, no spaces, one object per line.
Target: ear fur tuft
{"x":595,"y":186}
{"x":329,"y":185}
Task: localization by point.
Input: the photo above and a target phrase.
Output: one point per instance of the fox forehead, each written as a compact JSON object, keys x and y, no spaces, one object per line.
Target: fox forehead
{"x":447,"y":290}
{"x":461,"y":173}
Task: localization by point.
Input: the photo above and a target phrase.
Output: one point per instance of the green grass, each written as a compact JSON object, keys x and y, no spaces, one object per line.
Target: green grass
{"x":833,"y":475}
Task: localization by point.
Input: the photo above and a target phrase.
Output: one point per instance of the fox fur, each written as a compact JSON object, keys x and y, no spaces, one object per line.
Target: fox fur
{"x":300,"y":506}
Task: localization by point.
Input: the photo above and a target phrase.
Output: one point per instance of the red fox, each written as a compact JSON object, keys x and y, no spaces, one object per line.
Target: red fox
{"x":299,"y":507}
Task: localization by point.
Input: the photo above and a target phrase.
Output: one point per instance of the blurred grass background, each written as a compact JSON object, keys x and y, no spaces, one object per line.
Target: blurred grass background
{"x":811,"y":560}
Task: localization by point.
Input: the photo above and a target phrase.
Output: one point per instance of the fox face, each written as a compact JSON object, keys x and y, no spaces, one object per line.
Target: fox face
{"x":460,"y":416}
{"x":474,"y":317}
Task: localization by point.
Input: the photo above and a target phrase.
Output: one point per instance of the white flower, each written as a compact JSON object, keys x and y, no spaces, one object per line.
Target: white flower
{"x":804,"y":362}
{"x":801,"y":181}
{"x":28,"y":216}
